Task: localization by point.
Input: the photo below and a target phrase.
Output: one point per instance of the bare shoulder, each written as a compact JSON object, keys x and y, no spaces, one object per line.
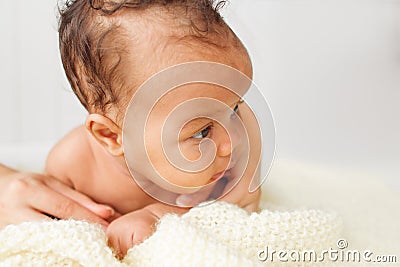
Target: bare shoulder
{"x":66,"y":157}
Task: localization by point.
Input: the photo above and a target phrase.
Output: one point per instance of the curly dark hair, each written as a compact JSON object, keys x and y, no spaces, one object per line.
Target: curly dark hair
{"x":92,"y":40}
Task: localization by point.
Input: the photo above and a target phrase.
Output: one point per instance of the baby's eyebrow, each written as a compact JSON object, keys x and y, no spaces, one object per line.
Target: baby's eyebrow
{"x":232,"y":106}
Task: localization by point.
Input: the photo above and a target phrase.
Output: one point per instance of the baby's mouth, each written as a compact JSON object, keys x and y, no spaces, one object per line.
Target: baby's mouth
{"x":218,"y":176}
{"x":224,"y":173}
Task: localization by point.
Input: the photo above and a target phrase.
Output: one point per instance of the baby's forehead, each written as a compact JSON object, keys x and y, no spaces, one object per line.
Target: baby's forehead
{"x":154,"y":47}
{"x":203,"y":97}
{"x":180,"y":93}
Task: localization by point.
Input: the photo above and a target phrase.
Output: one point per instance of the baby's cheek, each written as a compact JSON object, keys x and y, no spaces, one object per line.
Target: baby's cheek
{"x":186,"y":179}
{"x":181,"y":174}
{"x":178,"y":176}
{"x":189,"y":151}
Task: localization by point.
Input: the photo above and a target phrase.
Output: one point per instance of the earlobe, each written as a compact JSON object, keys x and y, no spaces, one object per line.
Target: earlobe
{"x":106,"y":132}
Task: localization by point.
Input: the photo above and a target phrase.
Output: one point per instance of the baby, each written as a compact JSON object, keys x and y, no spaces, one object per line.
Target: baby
{"x":109,"y":49}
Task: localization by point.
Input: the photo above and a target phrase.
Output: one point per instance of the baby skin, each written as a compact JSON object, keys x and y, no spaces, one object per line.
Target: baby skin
{"x":91,"y":160}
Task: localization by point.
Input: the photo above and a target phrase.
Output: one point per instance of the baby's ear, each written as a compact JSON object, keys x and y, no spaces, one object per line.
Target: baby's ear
{"x":106,"y":132}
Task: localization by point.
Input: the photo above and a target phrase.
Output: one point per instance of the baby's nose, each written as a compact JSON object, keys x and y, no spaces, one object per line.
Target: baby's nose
{"x":230,"y":141}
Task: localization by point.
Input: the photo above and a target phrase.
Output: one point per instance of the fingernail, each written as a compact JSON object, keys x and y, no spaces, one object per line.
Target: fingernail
{"x":111,"y":210}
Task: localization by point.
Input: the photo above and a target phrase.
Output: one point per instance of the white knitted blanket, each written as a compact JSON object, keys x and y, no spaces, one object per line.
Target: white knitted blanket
{"x":218,"y":234}
{"x":221,"y":234}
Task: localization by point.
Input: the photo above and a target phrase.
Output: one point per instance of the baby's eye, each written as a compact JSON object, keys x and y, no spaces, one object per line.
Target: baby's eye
{"x":235,"y":111}
{"x":203,"y":133}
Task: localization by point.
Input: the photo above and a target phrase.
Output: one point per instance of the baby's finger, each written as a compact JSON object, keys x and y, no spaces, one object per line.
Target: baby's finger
{"x":120,"y":238}
{"x":252,"y":207}
{"x":103,"y":211}
{"x":114,"y":243}
{"x":241,"y":196}
{"x":133,"y":236}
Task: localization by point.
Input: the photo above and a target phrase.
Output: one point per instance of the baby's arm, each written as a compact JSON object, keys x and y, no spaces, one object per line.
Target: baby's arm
{"x":134,"y":227}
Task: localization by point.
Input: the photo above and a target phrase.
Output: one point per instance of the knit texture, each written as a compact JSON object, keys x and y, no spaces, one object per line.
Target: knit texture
{"x":217,"y":234}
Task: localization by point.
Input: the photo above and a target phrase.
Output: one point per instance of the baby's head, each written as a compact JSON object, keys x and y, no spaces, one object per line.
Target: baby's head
{"x":109,"y":48}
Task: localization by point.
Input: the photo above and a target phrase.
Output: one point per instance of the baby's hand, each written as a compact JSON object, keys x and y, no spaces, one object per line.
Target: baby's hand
{"x":134,"y":227}
{"x":130,"y":229}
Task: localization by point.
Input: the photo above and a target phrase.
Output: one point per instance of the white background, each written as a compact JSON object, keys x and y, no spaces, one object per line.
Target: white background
{"x":330,"y":70}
